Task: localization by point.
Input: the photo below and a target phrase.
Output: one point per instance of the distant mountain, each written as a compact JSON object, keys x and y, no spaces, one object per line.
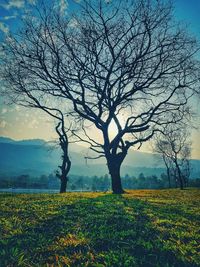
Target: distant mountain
{"x":6,"y":140}
{"x":36,"y":157}
{"x":22,"y":142}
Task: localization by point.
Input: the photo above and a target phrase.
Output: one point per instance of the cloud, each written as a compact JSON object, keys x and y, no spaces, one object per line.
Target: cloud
{"x":2,"y":53}
{"x":17,"y":108}
{"x":33,"y":124}
{"x":13,"y":4}
{"x":9,"y":17}
{"x":73,"y":23}
{"x":63,"y":6}
{"x":4,"y":110}
{"x":3,"y":124}
{"x":32,"y":2}
{"x":4,"y":28}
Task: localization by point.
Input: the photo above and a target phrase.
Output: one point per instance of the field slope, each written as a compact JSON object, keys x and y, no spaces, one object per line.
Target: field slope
{"x":141,"y":228}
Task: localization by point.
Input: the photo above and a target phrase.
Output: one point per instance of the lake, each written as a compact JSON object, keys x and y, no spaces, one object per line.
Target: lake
{"x":34,"y":191}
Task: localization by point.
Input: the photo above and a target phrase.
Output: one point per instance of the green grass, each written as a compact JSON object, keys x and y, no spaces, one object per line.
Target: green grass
{"x":141,"y":228}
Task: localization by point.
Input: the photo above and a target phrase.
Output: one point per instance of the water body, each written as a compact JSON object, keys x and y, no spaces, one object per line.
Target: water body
{"x":28,"y":190}
{"x":34,"y":191}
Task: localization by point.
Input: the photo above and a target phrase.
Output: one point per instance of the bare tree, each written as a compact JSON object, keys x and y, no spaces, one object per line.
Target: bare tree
{"x":26,"y":99}
{"x":61,"y":130}
{"x":185,"y":163}
{"x":66,"y":162}
{"x":123,"y":64}
{"x":175,"y":149}
{"x":167,"y":162}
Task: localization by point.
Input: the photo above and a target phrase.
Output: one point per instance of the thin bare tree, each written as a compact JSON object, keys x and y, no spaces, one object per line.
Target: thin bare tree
{"x":126,"y":66}
{"x":175,"y":148}
{"x":26,"y":99}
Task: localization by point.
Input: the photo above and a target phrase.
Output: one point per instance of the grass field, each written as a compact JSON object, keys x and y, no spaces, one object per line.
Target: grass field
{"x":141,"y":228}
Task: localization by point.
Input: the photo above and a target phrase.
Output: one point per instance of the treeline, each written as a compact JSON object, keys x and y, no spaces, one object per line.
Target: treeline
{"x":27,"y":181}
{"x":92,"y":183}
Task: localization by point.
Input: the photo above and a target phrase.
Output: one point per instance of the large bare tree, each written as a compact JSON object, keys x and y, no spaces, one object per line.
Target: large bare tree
{"x":123,"y":64}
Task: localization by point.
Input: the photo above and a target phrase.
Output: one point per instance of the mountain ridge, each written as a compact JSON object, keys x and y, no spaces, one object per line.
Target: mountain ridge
{"x":37,"y":157}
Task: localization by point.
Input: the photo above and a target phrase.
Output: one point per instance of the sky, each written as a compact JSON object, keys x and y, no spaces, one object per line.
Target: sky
{"x":20,"y":123}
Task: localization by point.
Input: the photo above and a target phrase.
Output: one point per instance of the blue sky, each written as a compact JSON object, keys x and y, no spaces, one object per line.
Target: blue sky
{"x":36,"y":125}
{"x":11,"y":10}
{"x":188,"y":11}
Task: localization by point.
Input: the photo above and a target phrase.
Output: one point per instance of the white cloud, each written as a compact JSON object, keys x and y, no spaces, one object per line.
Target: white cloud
{"x":9,"y":17}
{"x":73,"y":23}
{"x":63,"y":6}
{"x":2,"y":53}
{"x":32,"y":2}
{"x":13,"y":3}
{"x":4,"y":110}
{"x":33,"y":124}
{"x":3,"y":124}
{"x":17,"y":108}
{"x":4,"y":28}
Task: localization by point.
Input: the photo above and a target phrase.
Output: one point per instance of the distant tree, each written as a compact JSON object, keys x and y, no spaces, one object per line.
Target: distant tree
{"x":53,"y":181}
{"x":134,"y":182}
{"x":121,"y":64}
{"x":165,"y":180}
{"x":152,"y":181}
{"x":127,"y":176}
{"x":158,"y":148}
{"x":43,"y":181}
{"x":73,"y":187}
{"x":141,"y":180}
{"x":105,"y":182}
{"x":185,"y":163}
{"x":22,"y":180}
{"x":195,"y":182}
{"x":128,"y":182}
{"x":94,"y":187}
{"x":175,"y":149}
{"x":43,"y":178}
{"x":80,"y":183}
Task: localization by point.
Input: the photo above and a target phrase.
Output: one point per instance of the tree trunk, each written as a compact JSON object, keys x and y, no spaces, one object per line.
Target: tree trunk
{"x":179,"y":176}
{"x":66,"y":163}
{"x":168,"y":176}
{"x":63,"y":184}
{"x":114,"y":170}
{"x":168,"y":170}
{"x":181,"y":183}
{"x":65,"y":168}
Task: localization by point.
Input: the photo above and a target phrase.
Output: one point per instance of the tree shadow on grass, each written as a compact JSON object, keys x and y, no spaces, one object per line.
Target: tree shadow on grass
{"x":121,"y":231}
{"x":109,"y":230}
